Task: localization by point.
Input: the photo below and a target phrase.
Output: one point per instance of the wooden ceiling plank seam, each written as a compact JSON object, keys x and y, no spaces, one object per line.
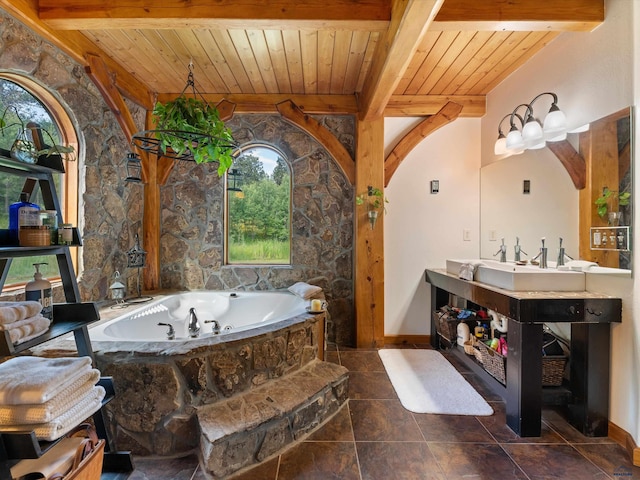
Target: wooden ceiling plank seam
{"x":229,"y":53}
{"x":448,"y":83}
{"x":222,"y":14}
{"x":293,"y":52}
{"x":326,"y":42}
{"x":309,"y":55}
{"x":431,"y":61}
{"x":531,"y":43}
{"x":510,"y":41}
{"x":113,"y":42}
{"x":452,"y":53}
{"x":475,"y":64}
{"x":196,"y":54}
{"x":355,"y":59}
{"x":368,"y":60}
{"x":260,"y":50}
{"x":417,"y":61}
{"x":248,"y":59}
{"x":219,"y":75}
{"x":179,"y":62}
{"x":279,"y":59}
{"x":410,"y":20}
{"x":340,"y":59}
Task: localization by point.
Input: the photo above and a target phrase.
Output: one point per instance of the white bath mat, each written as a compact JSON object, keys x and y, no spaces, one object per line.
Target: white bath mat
{"x":426,"y":382}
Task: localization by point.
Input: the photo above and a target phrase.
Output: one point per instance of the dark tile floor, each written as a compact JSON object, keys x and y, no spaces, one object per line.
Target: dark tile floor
{"x":374,"y":438}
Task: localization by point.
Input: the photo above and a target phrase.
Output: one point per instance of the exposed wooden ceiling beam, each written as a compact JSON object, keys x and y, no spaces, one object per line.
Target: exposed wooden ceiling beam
{"x":77,"y":46}
{"x":369,"y":15}
{"x":267,"y":103}
{"x":519,"y":15}
{"x":422,"y":105}
{"x":410,"y":20}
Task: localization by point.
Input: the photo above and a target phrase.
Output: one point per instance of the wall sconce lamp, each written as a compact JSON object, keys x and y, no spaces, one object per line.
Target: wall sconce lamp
{"x":533,"y":135}
{"x":234,"y":180}
{"x":134,"y":168}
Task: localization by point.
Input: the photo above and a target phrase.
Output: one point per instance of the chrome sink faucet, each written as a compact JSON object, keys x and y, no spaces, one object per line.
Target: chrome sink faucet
{"x":193,"y":326}
{"x":562,"y":255}
{"x":542,"y":255}
{"x":518,"y":251}
{"x":502,"y":252}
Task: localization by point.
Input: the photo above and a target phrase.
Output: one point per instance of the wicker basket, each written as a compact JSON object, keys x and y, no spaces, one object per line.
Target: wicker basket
{"x":468,"y":347}
{"x":492,"y":361}
{"x":446,"y":325}
{"x":553,"y":370}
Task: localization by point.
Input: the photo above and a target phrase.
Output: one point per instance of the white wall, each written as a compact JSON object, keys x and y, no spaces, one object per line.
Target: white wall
{"x":422,"y":230}
{"x":592,"y":74}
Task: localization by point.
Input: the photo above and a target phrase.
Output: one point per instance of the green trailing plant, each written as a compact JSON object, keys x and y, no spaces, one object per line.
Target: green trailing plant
{"x":373,"y":198}
{"x":189,"y":125}
{"x":609,"y":197}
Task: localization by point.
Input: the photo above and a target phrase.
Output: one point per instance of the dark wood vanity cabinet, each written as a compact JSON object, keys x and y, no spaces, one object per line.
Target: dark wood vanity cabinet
{"x":586,"y":396}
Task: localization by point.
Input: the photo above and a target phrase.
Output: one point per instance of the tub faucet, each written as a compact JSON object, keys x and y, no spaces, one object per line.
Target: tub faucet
{"x":216,"y":326}
{"x":518,"y":251}
{"x":171,"y":333}
{"x":193,"y":327}
{"x":542,"y":255}
{"x":562,"y":255}
{"x":502,"y":252}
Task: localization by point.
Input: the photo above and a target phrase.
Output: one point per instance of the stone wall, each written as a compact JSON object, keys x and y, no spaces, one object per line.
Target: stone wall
{"x":192,"y":241}
{"x":111,"y":211}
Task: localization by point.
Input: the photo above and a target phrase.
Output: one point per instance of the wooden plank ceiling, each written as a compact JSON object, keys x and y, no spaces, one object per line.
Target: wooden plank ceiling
{"x":376,"y":57}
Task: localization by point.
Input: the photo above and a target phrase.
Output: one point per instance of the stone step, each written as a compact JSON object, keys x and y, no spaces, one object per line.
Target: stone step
{"x":249,"y":428}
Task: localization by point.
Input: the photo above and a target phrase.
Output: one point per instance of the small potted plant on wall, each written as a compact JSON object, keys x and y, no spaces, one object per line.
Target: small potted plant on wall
{"x":374,"y":200}
{"x":608,"y":205}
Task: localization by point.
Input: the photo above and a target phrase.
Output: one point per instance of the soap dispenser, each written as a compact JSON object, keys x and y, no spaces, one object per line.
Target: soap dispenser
{"x":39,"y":290}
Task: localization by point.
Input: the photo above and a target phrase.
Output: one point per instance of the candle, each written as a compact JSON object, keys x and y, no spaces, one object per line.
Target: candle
{"x":316,"y":305}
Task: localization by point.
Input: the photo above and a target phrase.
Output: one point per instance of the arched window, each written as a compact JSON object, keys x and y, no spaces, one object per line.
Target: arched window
{"x":22,"y":100}
{"x":258,"y":220}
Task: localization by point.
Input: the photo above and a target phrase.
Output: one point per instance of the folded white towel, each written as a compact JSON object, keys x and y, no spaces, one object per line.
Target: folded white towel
{"x":304,"y":290}
{"x":48,"y":411}
{"x":37,"y":380}
{"x":84,"y":408}
{"x":26,"y":329}
{"x":13,"y":311}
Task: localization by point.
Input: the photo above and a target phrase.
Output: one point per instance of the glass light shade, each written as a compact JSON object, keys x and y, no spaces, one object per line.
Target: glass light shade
{"x":555,"y":124}
{"x":515,"y":143}
{"x":500,"y":148}
{"x":532,"y":135}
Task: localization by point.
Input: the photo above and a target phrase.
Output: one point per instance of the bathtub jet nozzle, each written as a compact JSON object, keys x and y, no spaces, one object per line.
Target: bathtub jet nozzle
{"x":193,"y":326}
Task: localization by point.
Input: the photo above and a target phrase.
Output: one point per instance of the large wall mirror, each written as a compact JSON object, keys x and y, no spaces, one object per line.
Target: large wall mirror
{"x":526,"y":198}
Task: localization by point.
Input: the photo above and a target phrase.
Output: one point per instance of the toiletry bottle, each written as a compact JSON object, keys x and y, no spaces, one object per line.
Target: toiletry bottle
{"x":14,"y":215}
{"x":39,"y":290}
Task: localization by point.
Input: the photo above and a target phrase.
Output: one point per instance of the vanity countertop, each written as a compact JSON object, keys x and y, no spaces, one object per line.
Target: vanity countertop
{"x":531,"y":306}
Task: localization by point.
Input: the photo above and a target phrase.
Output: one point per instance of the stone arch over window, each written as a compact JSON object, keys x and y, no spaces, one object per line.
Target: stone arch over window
{"x":258,"y":207}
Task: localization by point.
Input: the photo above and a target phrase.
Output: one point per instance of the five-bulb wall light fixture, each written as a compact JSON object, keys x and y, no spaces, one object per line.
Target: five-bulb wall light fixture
{"x":531,"y":135}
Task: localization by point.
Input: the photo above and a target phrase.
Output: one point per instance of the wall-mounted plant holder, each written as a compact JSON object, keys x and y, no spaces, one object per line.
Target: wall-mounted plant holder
{"x":374,"y":200}
{"x":610,"y":238}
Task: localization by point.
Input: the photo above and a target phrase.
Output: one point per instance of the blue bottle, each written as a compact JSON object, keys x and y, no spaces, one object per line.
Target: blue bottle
{"x":14,"y":216}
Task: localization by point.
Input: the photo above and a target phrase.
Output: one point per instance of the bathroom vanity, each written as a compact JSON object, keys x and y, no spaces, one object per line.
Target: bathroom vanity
{"x":586,"y":395}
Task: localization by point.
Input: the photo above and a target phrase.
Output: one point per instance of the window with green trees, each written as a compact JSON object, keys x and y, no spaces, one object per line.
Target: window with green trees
{"x":259,"y":208}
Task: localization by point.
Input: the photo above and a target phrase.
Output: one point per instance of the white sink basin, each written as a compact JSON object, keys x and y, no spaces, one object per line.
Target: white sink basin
{"x":522,"y":277}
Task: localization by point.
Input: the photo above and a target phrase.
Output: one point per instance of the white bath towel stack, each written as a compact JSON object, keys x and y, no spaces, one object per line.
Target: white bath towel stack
{"x":49,"y":396}
{"x":22,"y":320}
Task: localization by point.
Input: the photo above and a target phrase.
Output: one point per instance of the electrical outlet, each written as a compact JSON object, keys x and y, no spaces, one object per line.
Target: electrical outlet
{"x":466,"y":235}
{"x":493,"y":235}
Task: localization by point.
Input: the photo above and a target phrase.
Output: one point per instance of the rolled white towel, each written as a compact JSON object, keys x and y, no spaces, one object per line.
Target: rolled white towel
{"x":29,"y":379}
{"x":14,"y":311}
{"x":26,"y":329}
{"x":57,"y":406}
{"x":304,"y":290}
